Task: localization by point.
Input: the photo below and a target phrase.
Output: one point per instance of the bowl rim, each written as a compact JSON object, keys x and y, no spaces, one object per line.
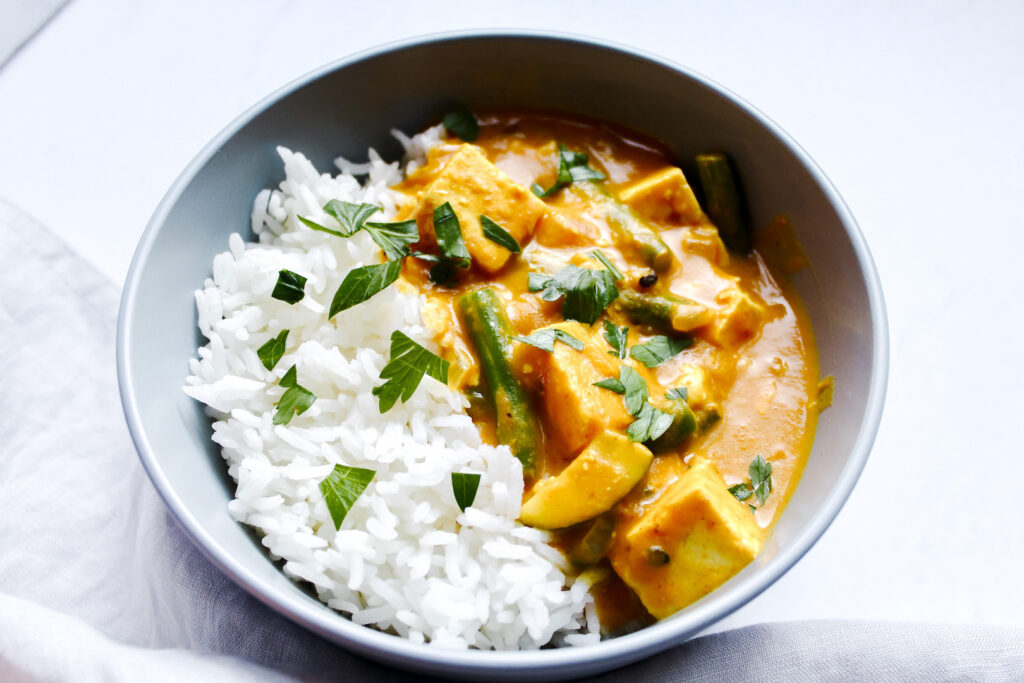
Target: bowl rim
{"x":609,"y":653}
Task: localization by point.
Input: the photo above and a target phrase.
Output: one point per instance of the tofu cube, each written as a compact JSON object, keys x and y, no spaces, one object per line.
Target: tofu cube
{"x":738,"y":321}
{"x":662,"y":195}
{"x":577,"y":410}
{"x":692,"y":539}
{"x":475,"y":187}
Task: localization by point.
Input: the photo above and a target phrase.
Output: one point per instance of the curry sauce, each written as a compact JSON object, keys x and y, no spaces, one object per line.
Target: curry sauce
{"x":660,"y":517}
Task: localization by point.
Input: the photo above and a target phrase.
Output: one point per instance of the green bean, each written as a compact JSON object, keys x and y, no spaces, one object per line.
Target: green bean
{"x":630,"y":228}
{"x":724,"y":201}
{"x":595,"y":542}
{"x":491,"y":332}
{"x":666,"y":313}
{"x":684,"y":423}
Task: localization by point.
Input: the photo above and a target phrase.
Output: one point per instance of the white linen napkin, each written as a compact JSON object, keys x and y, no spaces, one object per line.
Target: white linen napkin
{"x":97,"y":582}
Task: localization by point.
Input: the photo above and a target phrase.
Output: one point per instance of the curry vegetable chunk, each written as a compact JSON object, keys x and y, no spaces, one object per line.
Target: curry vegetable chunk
{"x":576,"y":409}
{"x":475,"y":187}
{"x":660,"y":195}
{"x":705,"y":533}
{"x":729,"y":369}
{"x":597,"y":479}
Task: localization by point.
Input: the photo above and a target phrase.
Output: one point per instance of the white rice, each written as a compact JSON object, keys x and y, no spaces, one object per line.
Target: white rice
{"x":405,"y":560}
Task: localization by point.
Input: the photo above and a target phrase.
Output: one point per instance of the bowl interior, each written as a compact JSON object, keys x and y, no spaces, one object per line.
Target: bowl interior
{"x":346,"y":108}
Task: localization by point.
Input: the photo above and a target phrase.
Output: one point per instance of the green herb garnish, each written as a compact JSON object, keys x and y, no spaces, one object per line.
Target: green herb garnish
{"x":611,"y":384}
{"x":616,"y":338}
{"x":637,"y":392}
{"x":587,"y":292}
{"x":760,"y":471}
{"x":393,"y":238}
{"x":409,"y":362}
{"x":761,"y":477}
{"x":290,"y":287}
{"x":599,"y":256}
{"x":449,"y":233}
{"x":295,"y":401}
{"x":572,"y":168}
{"x":681,"y":393}
{"x":742,"y":491}
{"x":350,"y":216}
{"x":631,"y":385}
{"x":650,"y":423}
{"x":537,"y":281}
{"x":462,"y":123}
{"x":341,"y":488}
{"x":362,"y":283}
{"x":659,"y":349}
{"x":499,"y":235}
{"x":465,"y":484}
{"x":271,"y":352}
{"x":545,"y":339}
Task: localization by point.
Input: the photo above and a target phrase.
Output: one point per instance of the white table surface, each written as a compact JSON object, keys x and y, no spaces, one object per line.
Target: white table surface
{"x":914,"y":110}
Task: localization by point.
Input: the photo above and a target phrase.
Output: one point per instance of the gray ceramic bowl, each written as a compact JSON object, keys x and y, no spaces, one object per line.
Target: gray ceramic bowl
{"x":350,"y":105}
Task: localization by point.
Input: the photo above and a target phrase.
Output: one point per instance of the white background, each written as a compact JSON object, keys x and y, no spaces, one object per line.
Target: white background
{"x":915,"y":110}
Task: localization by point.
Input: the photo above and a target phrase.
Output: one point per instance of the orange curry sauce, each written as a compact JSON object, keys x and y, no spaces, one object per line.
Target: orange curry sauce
{"x":761,"y":381}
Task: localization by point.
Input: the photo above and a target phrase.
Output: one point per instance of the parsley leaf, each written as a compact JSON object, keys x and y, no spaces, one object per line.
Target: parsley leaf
{"x":545,"y":339}
{"x":295,"y":401}
{"x":362,"y":283}
{"x":632,"y":386}
{"x":681,"y":393}
{"x":499,"y":235}
{"x":409,"y":362}
{"x":536,"y":281}
{"x":616,"y":338}
{"x":464,"y":485}
{"x":599,"y":256}
{"x":271,"y":352}
{"x":650,"y":423}
{"x":590,"y":296}
{"x":443,"y":270}
{"x":342,"y":487}
{"x":350,"y":216}
{"x":321,"y":228}
{"x":611,"y":384}
{"x":761,"y":477}
{"x":462,"y":123}
{"x":449,"y":232}
{"x":659,"y":349}
{"x":572,"y":167}
{"x":742,"y":491}
{"x":587,"y":292}
{"x":393,"y":238}
{"x":289,"y":288}
{"x":637,"y":392}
